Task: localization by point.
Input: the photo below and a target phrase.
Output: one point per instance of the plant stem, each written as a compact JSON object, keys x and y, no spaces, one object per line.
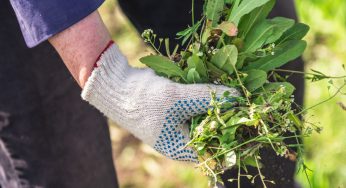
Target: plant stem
{"x":238,"y":170}
{"x":212,"y":172}
{"x":307,"y":177}
{"x":157,"y":50}
{"x":236,"y":147}
{"x":193,"y":12}
{"x":300,"y":153}
{"x":242,"y":85}
{"x":324,"y":101}
{"x":259,"y":172}
{"x":301,"y":72}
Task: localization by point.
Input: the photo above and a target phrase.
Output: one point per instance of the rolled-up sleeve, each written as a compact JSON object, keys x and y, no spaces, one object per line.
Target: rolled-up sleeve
{"x":41,"y":19}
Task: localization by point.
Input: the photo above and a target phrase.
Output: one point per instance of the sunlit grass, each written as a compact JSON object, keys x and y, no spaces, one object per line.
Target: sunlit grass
{"x":325,"y":152}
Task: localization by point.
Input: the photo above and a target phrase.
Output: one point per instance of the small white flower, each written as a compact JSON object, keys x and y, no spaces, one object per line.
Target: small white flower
{"x":213,"y":125}
{"x":200,"y":129}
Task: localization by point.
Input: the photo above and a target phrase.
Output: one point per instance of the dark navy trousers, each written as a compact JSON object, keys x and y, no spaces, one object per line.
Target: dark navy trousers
{"x":49,"y":137}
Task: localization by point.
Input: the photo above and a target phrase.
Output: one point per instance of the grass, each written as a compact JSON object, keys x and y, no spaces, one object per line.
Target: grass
{"x":139,"y":166}
{"x":325,"y":152}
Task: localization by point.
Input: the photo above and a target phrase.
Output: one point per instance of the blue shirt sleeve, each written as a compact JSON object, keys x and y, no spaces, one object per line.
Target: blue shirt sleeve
{"x":41,"y":19}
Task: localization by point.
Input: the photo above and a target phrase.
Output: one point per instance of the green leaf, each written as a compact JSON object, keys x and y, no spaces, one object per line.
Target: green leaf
{"x":265,"y":32}
{"x":297,"y":32}
{"x":259,"y":14}
{"x":257,"y":36}
{"x":163,"y":65}
{"x":280,"y":26}
{"x":240,"y":61}
{"x":214,"y":9}
{"x":250,"y":161}
{"x":226,"y":58}
{"x":195,"y":62}
{"x":245,"y":7}
{"x":295,"y":120}
{"x":255,"y":79}
{"x":237,"y":121}
{"x":228,"y":134}
{"x":275,"y":86}
{"x":193,"y":76}
{"x":283,"y":53}
{"x":229,"y":1}
{"x":188,"y":32}
{"x":214,"y":72}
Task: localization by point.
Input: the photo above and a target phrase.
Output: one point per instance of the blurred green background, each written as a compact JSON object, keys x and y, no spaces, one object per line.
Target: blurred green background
{"x":139,"y":166}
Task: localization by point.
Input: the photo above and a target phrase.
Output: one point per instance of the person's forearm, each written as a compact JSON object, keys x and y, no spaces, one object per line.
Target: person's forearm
{"x":81,"y":44}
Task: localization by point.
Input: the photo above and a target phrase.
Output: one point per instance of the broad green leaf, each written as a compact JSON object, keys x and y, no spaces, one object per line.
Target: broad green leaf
{"x":297,"y":32}
{"x":283,"y":53}
{"x":255,"y":79}
{"x":214,"y":72}
{"x":229,"y":1}
{"x":195,"y":62}
{"x":265,"y":32}
{"x":240,"y":61}
{"x":162,"y":65}
{"x":275,"y":86}
{"x":257,"y":36}
{"x":226,"y":58}
{"x":245,"y":7}
{"x":254,"y":17}
{"x":214,"y":9}
{"x":280,"y":26}
{"x":229,"y":133}
{"x":193,"y":76}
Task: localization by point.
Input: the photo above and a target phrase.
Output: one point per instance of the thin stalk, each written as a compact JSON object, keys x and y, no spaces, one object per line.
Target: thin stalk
{"x":300,"y":152}
{"x":242,"y":85}
{"x":307,"y":177}
{"x":238,"y":170}
{"x":260,"y":174}
{"x":247,"y":142}
{"x":324,"y":101}
{"x":308,"y":73}
{"x":226,"y":151}
{"x":202,"y":29}
{"x":157,"y":50}
{"x":193,"y":12}
{"x":212,"y":172}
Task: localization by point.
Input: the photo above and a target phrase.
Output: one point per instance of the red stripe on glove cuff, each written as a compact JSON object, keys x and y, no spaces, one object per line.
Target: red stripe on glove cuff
{"x":106,"y":48}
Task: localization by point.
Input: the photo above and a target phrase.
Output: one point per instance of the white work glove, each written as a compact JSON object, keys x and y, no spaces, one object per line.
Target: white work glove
{"x":152,"y":108}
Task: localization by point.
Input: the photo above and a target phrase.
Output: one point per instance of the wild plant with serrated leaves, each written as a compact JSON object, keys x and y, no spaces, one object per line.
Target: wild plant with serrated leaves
{"x":236,"y":45}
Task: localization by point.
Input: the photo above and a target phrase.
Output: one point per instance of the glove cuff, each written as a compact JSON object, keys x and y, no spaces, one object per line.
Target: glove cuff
{"x":106,"y":81}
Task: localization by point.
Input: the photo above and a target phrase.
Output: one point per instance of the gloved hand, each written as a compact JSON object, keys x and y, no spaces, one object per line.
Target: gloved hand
{"x":152,"y":108}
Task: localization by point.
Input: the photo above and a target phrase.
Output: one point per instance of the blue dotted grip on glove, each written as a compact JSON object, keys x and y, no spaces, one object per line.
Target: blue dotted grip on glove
{"x":171,"y":142}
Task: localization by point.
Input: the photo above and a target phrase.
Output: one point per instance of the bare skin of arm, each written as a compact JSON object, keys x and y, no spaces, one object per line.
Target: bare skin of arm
{"x":80,"y":45}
